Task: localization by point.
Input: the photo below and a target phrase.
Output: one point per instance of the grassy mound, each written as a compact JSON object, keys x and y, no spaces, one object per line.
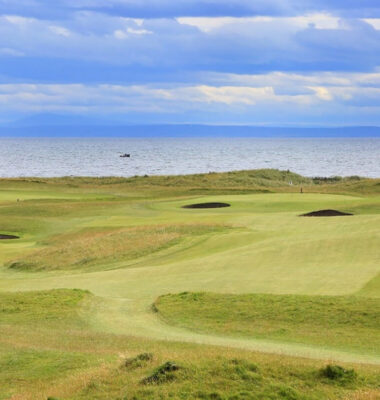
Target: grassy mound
{"x":93,"y":247}
{"x":225,"y":377}
{"x":349,"y":323}
{"x":260,"y":180}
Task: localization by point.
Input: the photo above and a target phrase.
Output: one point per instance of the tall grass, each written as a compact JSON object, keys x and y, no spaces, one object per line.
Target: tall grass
{"x":94,"y":246}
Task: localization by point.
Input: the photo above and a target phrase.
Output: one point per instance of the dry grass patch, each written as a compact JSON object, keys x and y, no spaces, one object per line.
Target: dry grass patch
{"x":93,"y":247}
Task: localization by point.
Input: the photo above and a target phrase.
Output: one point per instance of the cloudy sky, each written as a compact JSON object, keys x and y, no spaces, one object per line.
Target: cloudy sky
{"x":260,"y":62}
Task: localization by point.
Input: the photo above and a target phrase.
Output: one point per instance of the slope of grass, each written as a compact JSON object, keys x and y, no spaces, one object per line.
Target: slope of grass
{"x":267,"y":180}
{"x":372,"y":288}
{"x":343,"y":322}
{"x":91,"y":247}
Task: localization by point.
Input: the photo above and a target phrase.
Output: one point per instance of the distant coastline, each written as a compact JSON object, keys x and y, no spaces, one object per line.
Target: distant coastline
{"x":184,"y":130}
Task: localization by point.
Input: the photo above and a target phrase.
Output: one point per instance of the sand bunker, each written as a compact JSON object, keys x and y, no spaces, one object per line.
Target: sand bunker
{"x":4,"y":237}
{"x":325,"y":213}
{"x":208,"y":205}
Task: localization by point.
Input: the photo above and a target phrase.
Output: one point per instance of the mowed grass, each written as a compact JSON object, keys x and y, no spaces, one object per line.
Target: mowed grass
{"x":342,"y":322}
{"x":129,"y":241}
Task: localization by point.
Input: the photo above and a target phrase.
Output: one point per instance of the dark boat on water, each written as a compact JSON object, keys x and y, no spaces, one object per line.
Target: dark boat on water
{"x":125,"y":155}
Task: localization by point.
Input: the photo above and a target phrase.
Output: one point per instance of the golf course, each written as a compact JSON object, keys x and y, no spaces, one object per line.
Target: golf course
{"x":209,"y":286}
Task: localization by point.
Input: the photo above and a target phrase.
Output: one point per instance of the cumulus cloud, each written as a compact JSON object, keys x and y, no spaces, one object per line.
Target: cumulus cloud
{"x":316,"y":41}
{"x":269,"y":90}
{"x":317,"y":21}
{"x":243,"y":60}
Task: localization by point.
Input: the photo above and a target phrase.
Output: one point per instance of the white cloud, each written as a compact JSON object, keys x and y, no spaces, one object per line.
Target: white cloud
{"x":109,"y":98}
{"x":18,"y":20}
{"x":294,"y":80}
{"x":6,"y":51}
{"x":120,"y":34}
{"x":59,"y":30}
{"x":322,"y":93}
{"x":251,"y":104}
{"x":374,"y":22}
{"x":137,"y":21}
{"x":139,"y":31}
{"x":318,"y":21}
{"x":124,"y":33}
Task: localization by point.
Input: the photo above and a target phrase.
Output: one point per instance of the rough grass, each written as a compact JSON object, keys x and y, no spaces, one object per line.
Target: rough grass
{"x":343,"y":322}
{"x":225,"y":377}
{"x":92,"y":247}
{"x":262,"y":180}
{"x":46,"y":359}
{"x":21,"y":368}
{"x":45,"y":313}
{"x":57,"y":306}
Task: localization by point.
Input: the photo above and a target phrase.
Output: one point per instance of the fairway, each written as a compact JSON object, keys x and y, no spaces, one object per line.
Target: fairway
{"x":129,"y":243}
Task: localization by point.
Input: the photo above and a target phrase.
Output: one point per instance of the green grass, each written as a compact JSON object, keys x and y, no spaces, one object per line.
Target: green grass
{"x":25,"y":366}
{"x":128,"y":241}
{"x":31,"y":368}
{"x":58,"y":306}
{"x":342,"y":322}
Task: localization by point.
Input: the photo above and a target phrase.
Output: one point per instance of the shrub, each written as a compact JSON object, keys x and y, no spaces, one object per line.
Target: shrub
{"x":338,"y":373}
{"x":321,"y":179}
{"x":139,"y":361}
{"x":164,"y":373}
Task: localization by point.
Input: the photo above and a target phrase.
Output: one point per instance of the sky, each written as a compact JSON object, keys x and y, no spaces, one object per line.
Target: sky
{"x":255,"y":62}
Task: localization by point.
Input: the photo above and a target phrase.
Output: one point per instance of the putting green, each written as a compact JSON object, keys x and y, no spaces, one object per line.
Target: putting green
{"x":267,"y":249}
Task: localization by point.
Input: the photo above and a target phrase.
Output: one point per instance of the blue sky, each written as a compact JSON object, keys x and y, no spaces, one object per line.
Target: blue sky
{"x":264,"y":62}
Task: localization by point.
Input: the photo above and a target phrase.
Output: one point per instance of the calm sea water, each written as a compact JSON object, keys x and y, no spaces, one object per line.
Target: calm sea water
{"x":101,"y":157}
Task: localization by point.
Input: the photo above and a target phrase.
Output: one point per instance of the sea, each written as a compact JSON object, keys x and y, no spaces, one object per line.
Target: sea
{"x":54,"y":157}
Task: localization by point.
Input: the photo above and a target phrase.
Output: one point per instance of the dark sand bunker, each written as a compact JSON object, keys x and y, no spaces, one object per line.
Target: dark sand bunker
{"x":325,"y":213}
{"x":4,"y":237}
{"x":208,"y":205}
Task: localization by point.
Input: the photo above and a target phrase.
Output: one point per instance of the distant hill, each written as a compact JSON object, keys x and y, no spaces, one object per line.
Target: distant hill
{"x":49,"y":119}
{"x":55,"y":125}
